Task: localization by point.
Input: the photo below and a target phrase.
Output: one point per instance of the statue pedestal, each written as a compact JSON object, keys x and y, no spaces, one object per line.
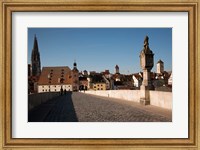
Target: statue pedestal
{"x":144,"y":95}
{"x":145,"y":87}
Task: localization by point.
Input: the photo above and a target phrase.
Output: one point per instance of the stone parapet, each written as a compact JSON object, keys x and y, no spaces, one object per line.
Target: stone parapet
{"x":157,"y":98}
{"x":39,"y":98}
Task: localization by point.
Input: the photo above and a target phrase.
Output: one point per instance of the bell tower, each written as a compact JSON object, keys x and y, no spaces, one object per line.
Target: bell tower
{"x":117,"y":69}
{"x":75,"y":74}
{"x":160,"y":66}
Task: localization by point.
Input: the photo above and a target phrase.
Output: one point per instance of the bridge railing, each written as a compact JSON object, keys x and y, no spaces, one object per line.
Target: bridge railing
{"x":157,"y":98}
{"x":39,"y":98}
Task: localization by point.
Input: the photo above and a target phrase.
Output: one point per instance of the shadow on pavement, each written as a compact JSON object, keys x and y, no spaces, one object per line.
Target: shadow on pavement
{"x":60,"y":109}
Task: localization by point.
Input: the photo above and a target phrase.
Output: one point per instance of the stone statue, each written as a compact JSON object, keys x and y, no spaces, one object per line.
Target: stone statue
{"x":146,"y":42}
{"x":147,"y":63}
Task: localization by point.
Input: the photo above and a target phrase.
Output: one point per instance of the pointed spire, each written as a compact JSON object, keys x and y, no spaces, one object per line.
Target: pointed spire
{"x":35,"y":44}
{"x":35,"y":59}
{"x":75,"y":67}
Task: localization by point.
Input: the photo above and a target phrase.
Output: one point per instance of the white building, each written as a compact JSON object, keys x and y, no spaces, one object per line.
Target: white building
{"x":137,"y":78}
{"x":170,"y":80}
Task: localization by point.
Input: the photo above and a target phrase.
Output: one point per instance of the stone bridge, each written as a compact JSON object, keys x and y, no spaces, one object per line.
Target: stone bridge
{"x":81,"y":107}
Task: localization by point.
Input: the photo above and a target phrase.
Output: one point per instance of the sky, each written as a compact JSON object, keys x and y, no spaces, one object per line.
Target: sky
{"x":100,"y":49}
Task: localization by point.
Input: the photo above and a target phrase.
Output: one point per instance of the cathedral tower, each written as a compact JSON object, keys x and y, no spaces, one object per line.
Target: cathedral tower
{"x":117,"y":69}
{"x":35,"y":59}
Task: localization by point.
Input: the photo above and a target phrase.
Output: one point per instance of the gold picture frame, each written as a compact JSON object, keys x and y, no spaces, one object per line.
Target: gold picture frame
{"x":9,"y":6}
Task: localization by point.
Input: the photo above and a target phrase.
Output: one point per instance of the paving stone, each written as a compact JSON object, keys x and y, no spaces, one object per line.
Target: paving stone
{"x":80,"y":107}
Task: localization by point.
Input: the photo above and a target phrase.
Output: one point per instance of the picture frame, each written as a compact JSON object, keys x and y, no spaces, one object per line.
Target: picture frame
{"x":8,"y":7}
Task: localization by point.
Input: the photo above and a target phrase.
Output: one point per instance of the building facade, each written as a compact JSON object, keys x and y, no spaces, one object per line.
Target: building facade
{"x":137,"y":78}
{"x":83,"y":83}
{"x":53,"y":79}
{"x":160,"y":66}
{"x":99,"y":86}
{"x":75,"y":78}
{"x":170,"y":80}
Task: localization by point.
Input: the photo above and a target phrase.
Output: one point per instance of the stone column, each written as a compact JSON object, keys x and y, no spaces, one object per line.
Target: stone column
{"x":146,"y":62}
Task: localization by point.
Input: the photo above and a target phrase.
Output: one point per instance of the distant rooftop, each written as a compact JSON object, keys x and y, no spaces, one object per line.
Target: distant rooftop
{"x":160,"y":61}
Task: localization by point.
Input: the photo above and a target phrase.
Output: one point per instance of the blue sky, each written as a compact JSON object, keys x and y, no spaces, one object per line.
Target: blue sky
{"x":97,"y":49}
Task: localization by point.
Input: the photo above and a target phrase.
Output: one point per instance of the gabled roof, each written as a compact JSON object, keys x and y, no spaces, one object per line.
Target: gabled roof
{"x":164,"y":75}
{"x":160,"y":61}
{"x":138,"y":76}
{"x":97,"y":78}
{"x":55,"y":76}
{"x":126,"y":78}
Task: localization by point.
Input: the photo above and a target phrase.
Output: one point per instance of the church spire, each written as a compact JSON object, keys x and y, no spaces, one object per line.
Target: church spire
{"x":35,"y":59}
{"x":35,"y":45}
{"x":75,"y":66}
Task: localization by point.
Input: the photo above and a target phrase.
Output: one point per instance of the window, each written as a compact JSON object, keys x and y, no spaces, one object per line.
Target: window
{"x":55,"y":89}
{"x":43,"y":90}
{"x":101,"y":88}
{"x":94,"y":86}
{"x":55,"y":86}
{"x":61,"y":80}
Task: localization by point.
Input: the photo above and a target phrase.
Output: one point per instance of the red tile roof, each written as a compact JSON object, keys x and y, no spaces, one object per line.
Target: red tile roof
{"x":55,"y":76}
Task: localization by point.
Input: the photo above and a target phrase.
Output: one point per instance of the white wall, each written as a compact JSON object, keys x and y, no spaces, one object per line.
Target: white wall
{"x":161,"y":99}
{"x":157,"y":98}
{"x":130,"y":95}
{"x":170,"y":80}
{"x":53,"y":88}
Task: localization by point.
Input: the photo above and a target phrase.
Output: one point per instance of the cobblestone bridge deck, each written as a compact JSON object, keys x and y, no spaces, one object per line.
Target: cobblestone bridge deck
{"x":80,"y":107}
